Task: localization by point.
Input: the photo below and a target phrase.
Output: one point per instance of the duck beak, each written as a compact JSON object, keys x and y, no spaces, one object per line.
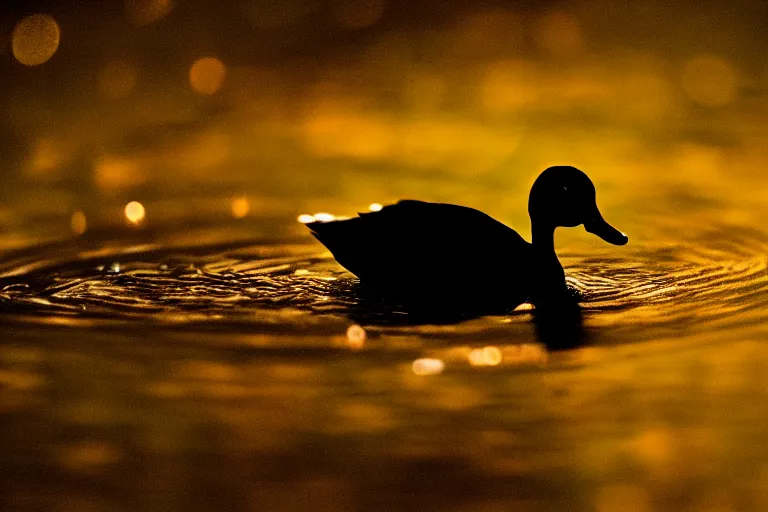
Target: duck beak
{"x":610,"y":234}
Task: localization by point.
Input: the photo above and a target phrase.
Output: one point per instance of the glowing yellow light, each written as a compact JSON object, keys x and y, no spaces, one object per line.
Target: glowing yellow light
{"x":357,"y":14}
{"x":134,"y":212}
{"x":240,"y":207}
{"x":301,"y":272}
{"x":117,"y":79}
{"x":524,"y":306}
{"x":207,"y":75}
{"x":142,"y":12}
{"x":427,"y":366}
{"x":476,"y":357}
{"x":491,"y":355}
{"x":710,"y":81}
{"x":486,"y":356}
{"x":324,"y":217}
{"x":78,"y":223}
{"x":35,"y":39}
{"x":306,"y":218}
{"x":356,"y":336}
{"x":375,"y":207}
{"x":560,"y":34}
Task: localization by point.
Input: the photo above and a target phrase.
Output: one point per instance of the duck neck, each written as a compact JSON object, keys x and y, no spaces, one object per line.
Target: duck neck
{"x":551,"y":277}
{"x":543,"y":240}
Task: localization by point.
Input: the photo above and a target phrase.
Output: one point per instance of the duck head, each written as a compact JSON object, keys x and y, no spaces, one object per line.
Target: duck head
{"x":565,"y":196}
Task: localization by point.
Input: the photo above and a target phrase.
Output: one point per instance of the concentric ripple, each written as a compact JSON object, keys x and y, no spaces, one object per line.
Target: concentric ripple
{"x":714,"y":281}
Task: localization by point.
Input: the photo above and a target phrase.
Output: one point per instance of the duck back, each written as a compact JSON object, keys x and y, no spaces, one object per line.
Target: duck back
{"x":434,"y":245}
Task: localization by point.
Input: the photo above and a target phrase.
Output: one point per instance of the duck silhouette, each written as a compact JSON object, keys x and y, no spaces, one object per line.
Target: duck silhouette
{"x":443,"y":253}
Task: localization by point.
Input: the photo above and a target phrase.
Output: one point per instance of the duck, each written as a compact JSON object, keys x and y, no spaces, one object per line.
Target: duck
{"x":441,"y":251}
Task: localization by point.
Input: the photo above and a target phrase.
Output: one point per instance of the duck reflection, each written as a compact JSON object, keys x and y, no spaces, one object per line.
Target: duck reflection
{"x":442,"y":263}
{"x":558,"y":324}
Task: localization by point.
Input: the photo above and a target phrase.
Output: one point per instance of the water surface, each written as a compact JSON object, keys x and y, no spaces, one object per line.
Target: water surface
{"x":253,"y":373}
{"x":206,"y":353}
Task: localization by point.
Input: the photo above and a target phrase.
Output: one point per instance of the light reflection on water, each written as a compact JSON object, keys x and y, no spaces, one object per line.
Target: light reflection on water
{"x":258,"y":374}
{"x":199,"y":351}
{"x":241,"y":366}
{"x":718,"y":277}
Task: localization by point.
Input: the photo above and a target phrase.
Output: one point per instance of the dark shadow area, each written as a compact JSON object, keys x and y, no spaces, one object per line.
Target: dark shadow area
{"x":558,"y":321}
{"x":559,"y":326}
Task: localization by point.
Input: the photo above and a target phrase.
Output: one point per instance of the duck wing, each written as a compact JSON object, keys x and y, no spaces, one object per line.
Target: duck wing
{"x":425,"y":243}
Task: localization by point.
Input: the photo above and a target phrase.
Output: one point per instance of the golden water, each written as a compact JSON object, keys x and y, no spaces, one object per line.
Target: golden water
{"x":173,"y":339}
{"x":200,"y":376}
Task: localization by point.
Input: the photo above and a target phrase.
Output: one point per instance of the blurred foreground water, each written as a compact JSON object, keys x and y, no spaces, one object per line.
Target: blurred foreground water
{"x":174,"y":340}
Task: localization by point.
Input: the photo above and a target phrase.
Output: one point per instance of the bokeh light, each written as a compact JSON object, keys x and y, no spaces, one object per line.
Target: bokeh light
{"x":486,"y":356}
{"x":427,"y":366}
{"x":117,"y":79}
{"x":356,"y":336}
{"x":135,"y":212}
{"x":206,"y":75}
{"x":710,"y":80}
{"x":240,"y":207}
{"x":143,"y":12}
{"x":306,"y":218}
{"x":257,"y":350}
{"x":78,"y":223}
{"x":324,"y":217}
{"x":35,"y":39}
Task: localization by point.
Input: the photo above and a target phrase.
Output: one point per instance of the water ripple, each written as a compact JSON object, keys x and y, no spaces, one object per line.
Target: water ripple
{"x":716,"y":281}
